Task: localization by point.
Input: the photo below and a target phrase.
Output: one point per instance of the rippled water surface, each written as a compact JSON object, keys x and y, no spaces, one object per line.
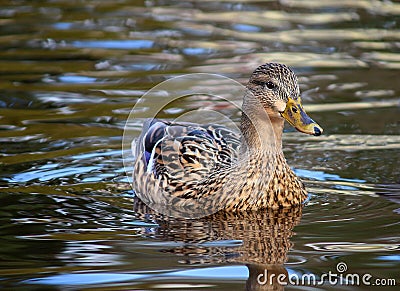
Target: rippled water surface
{"x":71,"y":71}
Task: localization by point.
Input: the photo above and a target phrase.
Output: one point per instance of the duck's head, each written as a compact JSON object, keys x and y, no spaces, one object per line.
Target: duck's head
{"x":275,"y":86}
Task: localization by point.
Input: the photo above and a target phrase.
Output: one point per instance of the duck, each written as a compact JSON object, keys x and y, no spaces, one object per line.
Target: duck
{"x":209,"y":167}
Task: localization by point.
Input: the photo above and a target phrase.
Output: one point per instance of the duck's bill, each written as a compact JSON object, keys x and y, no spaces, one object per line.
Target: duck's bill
{"x":294,"y":114}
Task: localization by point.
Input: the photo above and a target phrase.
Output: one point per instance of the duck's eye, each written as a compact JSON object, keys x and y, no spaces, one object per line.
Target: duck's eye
{"x":294,"y":109}
{"x":270,"y":85}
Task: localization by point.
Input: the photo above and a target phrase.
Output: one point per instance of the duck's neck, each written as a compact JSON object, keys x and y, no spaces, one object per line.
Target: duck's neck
{"x":262,"y":133}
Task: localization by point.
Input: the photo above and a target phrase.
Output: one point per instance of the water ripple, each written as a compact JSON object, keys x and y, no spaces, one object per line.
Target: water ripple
{"x":353,"y":247}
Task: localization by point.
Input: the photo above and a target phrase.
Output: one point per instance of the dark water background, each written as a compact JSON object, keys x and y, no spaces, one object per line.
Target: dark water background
{"x":70,"y":72}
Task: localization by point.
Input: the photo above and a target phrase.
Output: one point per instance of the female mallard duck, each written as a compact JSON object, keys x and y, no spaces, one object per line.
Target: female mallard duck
{"x":186,"y":164}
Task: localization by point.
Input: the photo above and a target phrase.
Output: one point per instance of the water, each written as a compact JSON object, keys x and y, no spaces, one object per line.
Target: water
{"x":70,"y":72}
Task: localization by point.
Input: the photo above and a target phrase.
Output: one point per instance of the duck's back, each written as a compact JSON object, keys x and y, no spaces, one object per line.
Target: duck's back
{"x":182,"y":155}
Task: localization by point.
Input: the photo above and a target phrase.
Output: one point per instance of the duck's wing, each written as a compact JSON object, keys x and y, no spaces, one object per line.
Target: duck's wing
{"x":185,"y":151}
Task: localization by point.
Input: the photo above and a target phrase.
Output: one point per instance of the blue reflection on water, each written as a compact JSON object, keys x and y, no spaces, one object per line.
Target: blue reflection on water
{"x":246,"y":27}
{"x":85,"y":279}
{"x":76,"y":79}
{"x":52,"y":171}
{"x":322,"y":176}
{"x":46,"y":175}
{"x":114,"y":44}
{"x":223,"y":273}
{"x":193,"y":51}
{"x":62,"y":25}
{"x":395,"y":258}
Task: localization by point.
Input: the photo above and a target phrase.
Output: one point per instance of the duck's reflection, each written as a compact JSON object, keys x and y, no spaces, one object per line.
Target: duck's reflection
{"x":263,"y":241}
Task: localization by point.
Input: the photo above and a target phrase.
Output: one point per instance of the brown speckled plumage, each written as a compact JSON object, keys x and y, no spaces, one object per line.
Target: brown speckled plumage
{"x":191,"y":162}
